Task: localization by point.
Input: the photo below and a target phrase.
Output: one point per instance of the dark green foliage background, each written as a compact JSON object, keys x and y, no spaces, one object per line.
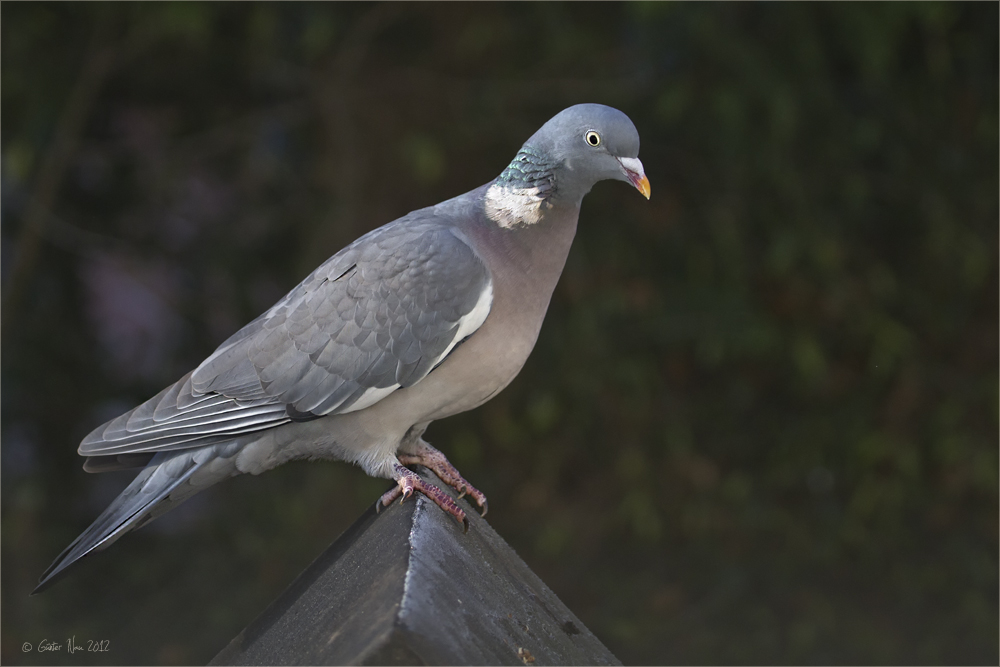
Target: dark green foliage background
{"x":760,"y":424}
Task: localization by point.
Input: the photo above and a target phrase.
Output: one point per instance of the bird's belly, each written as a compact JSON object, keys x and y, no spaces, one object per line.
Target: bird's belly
{"x":480,"y":368}
{"x":472,"y":374}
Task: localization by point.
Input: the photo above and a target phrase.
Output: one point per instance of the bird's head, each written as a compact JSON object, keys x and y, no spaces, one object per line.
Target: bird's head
{"x":588,"y":143}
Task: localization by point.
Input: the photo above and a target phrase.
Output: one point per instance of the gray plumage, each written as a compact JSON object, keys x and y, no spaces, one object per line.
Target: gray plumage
{"x":425,"y":317}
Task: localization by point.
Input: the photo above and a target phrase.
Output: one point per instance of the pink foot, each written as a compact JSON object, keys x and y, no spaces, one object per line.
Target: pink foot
{"x":408,"y":482}
{"x":430,"y":457}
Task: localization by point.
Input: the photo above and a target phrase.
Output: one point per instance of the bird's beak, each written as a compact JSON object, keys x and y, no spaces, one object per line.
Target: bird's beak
{"x":635,"y":173}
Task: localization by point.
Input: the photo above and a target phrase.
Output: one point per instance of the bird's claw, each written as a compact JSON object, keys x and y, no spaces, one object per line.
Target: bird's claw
{"x":408,"y":482}
{"x":431,"y":458}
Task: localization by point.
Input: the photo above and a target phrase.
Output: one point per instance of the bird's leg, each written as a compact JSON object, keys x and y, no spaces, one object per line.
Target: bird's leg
{"x":408,"y":481}
{"x":420,"y":453}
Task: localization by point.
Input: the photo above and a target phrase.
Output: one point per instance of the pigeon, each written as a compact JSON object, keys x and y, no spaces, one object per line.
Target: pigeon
{"x":423,"y":318}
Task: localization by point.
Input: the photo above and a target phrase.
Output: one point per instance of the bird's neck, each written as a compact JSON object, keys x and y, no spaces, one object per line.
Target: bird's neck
{"x":530,"y":231}
{"x":523,"y":192}
{"x":528,"y":169}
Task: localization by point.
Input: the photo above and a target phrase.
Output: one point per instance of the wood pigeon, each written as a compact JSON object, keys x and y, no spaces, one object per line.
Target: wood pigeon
{"x":423,"y":318}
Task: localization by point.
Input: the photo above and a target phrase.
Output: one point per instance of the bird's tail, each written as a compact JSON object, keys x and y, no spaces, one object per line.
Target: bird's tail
{"x":151,"y":493}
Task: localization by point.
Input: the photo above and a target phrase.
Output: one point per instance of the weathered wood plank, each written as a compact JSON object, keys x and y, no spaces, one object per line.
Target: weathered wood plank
{"x":408,"y":587}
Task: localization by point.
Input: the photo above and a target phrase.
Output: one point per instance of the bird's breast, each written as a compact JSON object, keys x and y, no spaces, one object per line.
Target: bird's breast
{"x":525,"y":265}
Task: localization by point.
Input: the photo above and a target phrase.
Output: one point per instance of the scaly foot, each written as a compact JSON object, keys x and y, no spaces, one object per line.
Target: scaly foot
{"x":423,"y":454}
{"x":408,"y":481}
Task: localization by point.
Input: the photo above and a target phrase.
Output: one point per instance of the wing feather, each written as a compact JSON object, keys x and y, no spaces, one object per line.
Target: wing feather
{"x":379,"y":315}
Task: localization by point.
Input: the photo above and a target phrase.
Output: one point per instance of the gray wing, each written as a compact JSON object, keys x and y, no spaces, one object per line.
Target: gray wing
{"x":379,"y":315}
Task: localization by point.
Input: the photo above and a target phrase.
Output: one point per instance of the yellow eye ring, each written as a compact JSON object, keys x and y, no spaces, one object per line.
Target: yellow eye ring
{"x":592,"y":138}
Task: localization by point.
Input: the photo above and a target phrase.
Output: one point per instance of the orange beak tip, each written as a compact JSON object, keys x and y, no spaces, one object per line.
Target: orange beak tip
{"x":642,"y":185}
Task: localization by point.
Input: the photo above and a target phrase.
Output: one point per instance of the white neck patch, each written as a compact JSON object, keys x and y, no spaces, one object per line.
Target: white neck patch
{"x":510,"y":207}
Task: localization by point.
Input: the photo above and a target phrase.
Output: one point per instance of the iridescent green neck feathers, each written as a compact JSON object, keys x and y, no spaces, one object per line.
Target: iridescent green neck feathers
{"x":518,"y":195}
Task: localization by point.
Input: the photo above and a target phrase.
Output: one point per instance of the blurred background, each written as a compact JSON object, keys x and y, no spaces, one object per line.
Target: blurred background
{"x":761,"y":421}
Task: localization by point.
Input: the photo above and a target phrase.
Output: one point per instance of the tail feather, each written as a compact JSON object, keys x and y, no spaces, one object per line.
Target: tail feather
{"x":136,"y":505}
{"x":116,"y":462}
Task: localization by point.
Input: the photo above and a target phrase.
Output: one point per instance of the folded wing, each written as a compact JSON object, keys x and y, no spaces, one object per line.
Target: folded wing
{"x":377,"y":316}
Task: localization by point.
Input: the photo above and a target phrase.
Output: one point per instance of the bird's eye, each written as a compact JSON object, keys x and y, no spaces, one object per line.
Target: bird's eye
{"x":593,"y":138}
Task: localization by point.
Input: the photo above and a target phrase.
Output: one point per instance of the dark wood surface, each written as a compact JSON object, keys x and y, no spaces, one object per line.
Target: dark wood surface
{"x":406,"y":586}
